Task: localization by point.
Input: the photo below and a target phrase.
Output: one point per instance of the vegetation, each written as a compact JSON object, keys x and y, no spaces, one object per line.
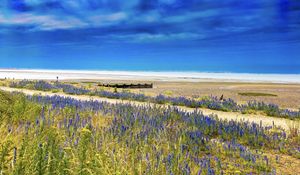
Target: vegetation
{"x":210,"y":102}
{"x":56,"y":135}
{"x":257,"y":94}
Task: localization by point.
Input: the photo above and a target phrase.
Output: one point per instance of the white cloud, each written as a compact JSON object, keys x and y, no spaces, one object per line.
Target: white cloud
{"x":63,"y":24}
{"x":100,"y":20}
{"x":50,"y":22}
{"x":190,"y":16}
{"x":42,"y":22}
{"x":146,"y":37}
{"x":166,"y":37}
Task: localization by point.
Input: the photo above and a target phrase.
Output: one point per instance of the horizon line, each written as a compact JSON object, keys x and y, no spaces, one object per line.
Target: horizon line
{"x":139,"y":71}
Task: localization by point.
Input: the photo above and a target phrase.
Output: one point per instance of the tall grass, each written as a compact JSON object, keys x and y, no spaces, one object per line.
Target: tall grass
{"x":67,"y":136}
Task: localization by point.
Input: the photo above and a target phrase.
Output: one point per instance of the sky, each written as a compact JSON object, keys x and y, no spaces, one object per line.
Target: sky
{"x":257,"y":36}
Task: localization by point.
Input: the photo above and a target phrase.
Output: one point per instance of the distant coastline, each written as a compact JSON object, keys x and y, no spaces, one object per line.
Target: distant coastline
{"x":183,"y":76}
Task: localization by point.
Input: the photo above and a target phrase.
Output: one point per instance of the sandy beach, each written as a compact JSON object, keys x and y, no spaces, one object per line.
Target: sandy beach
{"x":183,"y":83}
{"x":258,"y":119}
{"x":148,"y":76}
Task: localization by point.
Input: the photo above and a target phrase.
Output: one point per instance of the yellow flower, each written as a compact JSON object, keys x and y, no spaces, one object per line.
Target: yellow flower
{"x":86,"y":130}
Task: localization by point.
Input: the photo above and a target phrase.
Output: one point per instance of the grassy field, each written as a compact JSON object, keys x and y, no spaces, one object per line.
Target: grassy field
{"x":55,"y":135}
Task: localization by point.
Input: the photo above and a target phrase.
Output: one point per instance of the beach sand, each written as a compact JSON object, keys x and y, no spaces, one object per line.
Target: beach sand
{"x":190,"y":84}
{"x":256,"y":118}
{"x":287,"y":95}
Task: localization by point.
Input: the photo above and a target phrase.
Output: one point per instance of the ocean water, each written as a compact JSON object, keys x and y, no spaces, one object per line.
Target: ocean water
{"x":263,"y":66}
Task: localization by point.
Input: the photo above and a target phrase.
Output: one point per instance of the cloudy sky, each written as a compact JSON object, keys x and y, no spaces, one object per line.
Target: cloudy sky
{"x":201,"y":35}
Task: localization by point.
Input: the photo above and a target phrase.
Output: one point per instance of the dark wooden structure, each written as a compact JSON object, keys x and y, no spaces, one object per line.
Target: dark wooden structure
{"x":128,"y":86}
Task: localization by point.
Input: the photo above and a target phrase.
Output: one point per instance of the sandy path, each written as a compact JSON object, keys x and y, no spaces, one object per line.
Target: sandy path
{"x":264,"y":120}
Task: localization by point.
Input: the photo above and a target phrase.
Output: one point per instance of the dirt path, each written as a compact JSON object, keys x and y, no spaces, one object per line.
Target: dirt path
{"x":264,"y":120}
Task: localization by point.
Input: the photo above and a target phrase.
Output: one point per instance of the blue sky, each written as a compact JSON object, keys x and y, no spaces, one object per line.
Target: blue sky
{"x":197,"y":35}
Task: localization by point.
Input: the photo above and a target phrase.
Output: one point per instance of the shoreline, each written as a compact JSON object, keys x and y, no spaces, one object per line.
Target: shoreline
{"x":149,"y":76}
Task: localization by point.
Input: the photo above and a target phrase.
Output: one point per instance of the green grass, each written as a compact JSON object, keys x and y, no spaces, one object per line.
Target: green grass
{"x":38,"y":139}
{"x":74,"y":83}
{"x":168,"y":93}
{"x":257,"y":94}
{"x":89,"y":82}
{"x":55,"y":90}
{"x":4,"y":82}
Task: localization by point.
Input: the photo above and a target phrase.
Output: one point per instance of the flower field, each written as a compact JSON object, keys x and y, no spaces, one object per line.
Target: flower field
{"x":57,"y":135}
{"x":210,"y":102}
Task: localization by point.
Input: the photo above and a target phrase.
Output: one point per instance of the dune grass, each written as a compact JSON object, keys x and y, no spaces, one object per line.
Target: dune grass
{"x":211,"y":102}
{"x":257,"y":94}
{"x":56,"y":135}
